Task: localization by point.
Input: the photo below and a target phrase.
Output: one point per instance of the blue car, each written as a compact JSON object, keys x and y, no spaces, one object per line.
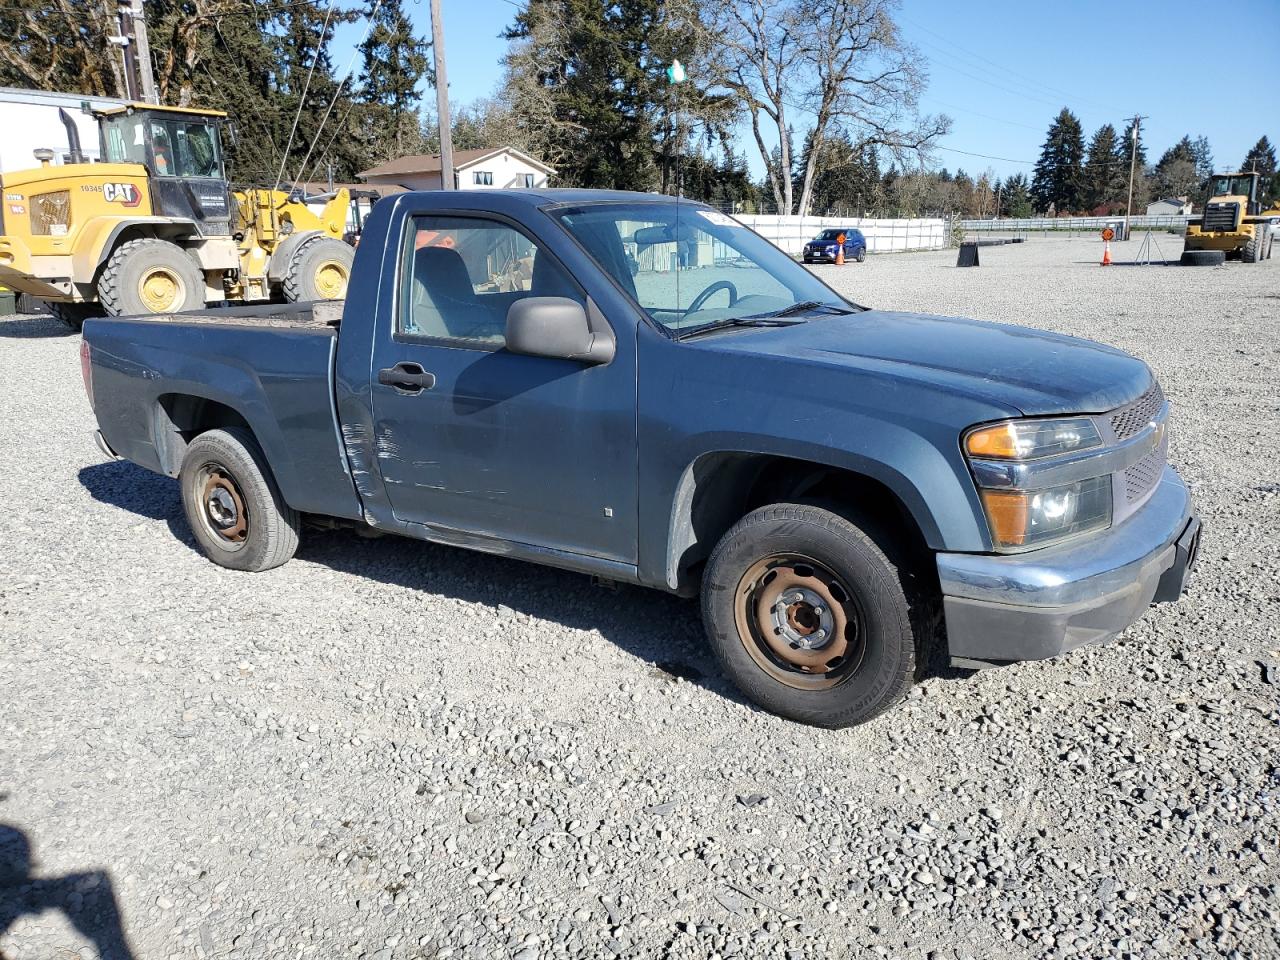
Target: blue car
{"x":822,"y":248}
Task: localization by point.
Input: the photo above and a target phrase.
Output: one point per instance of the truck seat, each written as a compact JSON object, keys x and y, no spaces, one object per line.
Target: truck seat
{"x":445,"y":303}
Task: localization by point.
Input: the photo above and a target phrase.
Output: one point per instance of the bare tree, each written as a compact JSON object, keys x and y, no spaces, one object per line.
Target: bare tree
{"x":843,"y":62}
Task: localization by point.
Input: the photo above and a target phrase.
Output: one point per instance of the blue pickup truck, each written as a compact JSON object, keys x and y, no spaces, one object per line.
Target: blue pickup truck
{"x":643,"y":390}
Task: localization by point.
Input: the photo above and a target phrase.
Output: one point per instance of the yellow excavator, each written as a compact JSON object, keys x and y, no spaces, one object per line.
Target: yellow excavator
{"x":156,"y":228}
{"x":1233,"y":223}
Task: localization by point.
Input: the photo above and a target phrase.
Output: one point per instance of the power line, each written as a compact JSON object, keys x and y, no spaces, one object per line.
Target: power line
{"x":324,"y":31}
{"x":999,"y":66}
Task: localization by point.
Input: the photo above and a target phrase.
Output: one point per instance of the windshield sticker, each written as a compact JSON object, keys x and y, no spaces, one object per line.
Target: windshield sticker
{"x":719,"y":219}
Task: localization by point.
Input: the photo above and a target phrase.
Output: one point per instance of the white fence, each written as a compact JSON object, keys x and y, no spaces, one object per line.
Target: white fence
{"x":883,"y":236}
{"x":1076,"y":224}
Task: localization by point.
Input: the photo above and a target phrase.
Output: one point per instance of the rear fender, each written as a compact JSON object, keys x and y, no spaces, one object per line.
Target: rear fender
{"x":99,"y":237}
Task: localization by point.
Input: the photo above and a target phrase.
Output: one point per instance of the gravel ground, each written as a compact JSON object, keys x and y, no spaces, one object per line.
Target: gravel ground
{"x":388,"y":749}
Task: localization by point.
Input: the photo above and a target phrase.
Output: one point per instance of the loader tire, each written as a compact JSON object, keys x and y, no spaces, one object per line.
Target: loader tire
{"x":150,"y":276}
{"x":320,"y":270}
{"x":75,"y":314}
{"x":1203,"y":258}
{"x":1256,"y":249}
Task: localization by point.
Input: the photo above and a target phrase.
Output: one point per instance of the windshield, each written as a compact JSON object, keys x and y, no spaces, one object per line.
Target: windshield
{"x":830,"y":236}
{"x":185,"y":149}
{"x":687,"y":266}
{"x":1232,"y":186}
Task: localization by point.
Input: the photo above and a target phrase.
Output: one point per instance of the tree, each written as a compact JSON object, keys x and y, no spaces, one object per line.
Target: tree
{"x":1175,"y":173}
{"x":60,"y":45}
{"x":842,"y":61}
{"x":1105,"y":178}
{"x":586,"y":78}
{"x":394,"y":61}
{"x":1058,"y":176}
{"x":1262,"y":157}
{"x":1017,"y":198}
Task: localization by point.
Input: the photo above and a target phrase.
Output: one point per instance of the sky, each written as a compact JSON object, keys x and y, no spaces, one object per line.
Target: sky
{"x":1003,"y":69}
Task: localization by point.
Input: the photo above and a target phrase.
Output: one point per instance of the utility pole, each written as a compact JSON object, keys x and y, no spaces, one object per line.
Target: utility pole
{"x":139,"y":81}
{"x":143,"y":53}
{"x":442,"y":99}
{"x":124,"y":12}
{"x":1133,"y":162}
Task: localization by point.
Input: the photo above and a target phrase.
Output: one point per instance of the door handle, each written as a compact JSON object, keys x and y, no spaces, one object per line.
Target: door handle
{"x":407,"y":376}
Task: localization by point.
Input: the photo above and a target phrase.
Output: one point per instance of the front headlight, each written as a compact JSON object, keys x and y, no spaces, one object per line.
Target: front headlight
{"x":1032,"y":439}
{"x":1019,"y":467}
{"x":1025,"y":519}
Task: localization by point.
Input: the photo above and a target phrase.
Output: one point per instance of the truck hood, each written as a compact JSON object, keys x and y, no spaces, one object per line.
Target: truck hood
{"x":1033,"y":371}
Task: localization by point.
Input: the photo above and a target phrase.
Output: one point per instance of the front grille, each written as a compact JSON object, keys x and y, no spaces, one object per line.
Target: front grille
{"x":1141,"y":478}
{"x":1219,"y":217}
{"x":1127,"y":421}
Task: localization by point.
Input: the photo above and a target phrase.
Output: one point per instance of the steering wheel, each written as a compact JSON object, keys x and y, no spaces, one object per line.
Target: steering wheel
{"x":711,"y":291}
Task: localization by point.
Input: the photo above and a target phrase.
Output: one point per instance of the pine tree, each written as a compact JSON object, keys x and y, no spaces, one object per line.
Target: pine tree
{"x":1058,"y":174}
{"x":1017,"y":196}
{"x":394,"y":61}
{"x":1105,"y":178}
{"x":1262,"y":157}
{"x":1126,"y":156}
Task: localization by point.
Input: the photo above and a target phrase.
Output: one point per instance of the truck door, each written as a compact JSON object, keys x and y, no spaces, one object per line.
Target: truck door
{"x":474,"y":438}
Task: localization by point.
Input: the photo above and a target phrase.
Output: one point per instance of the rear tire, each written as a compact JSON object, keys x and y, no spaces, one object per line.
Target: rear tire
{"x":1203,"y":258}
{"x":320,"y":270}
{"x":233,"y":505}
{"x":809,"y":616}
{"x":862,"y":255}
{"x":150,"y":276}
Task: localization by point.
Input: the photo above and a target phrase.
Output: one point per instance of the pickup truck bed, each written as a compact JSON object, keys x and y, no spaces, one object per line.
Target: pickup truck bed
{"x":271,"y":366}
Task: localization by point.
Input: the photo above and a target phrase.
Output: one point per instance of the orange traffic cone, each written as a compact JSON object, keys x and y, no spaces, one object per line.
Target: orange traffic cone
{"x":840,"y":250}
{"x":1106,"y":253}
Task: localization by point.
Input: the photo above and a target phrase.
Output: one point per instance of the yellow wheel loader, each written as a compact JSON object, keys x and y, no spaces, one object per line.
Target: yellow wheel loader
{"x":1233,"y":223}
{"x":155,"y":227}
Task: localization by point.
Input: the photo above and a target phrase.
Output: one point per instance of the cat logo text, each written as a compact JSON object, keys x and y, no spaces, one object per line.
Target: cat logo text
{"x":125,"y":194}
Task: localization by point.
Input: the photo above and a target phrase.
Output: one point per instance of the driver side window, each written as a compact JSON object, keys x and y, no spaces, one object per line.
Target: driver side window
{"x":460,"y":275}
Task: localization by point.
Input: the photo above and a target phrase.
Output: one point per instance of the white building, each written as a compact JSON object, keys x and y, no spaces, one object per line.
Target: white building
{"x":493,"y":169}
{"x":1169,"y":207}
{"x":30,"y":121}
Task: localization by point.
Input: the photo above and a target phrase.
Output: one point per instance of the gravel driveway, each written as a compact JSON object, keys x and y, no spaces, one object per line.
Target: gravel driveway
{"x":389,"y":749}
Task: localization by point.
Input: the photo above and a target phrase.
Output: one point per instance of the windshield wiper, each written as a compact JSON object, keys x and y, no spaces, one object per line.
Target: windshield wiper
{"x":761,"y":321}
{"x":807,"y":306}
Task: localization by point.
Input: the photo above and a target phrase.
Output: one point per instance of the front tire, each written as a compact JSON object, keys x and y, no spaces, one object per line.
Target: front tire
{"x":809,"y":616}
{"x":150,"y":276}
{"x":233,"y":505}
{"x":1255,"y":249}
{"x":320,"y":270}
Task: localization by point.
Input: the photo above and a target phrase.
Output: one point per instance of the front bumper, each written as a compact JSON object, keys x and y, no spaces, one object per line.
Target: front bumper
{"x":1032,"y":606}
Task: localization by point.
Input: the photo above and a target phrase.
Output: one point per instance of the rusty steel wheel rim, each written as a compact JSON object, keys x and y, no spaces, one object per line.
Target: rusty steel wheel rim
{"x":799,"y":621}
{"x":222,"y":506}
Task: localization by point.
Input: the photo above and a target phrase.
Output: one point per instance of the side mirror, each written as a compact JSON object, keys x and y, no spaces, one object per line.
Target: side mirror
{"x":557,"y":327}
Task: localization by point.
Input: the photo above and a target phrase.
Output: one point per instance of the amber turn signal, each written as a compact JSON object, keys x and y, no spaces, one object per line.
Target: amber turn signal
{"x":999,"y":441}
{"x":1007,"y":516}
